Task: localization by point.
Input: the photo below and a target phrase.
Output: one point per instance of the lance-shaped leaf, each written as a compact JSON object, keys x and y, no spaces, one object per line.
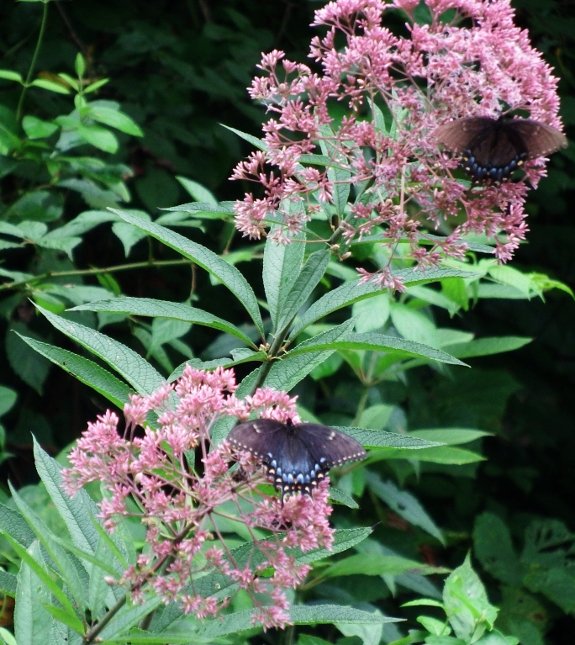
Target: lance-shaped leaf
{"x":84,"y":370}
{"x":208,"y":260}
{"x":165,"y":309}
{"x":130,"y":365}
{"x":282,"y":265}
{"x":306,"y":282}
{"x":290,"y":370}
{"x":378,"y":343}
{"x":356,"y":290}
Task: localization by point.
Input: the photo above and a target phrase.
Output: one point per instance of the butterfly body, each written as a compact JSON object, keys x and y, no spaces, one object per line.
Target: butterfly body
{"x":492,"y":149}
{"x":296,"y":456}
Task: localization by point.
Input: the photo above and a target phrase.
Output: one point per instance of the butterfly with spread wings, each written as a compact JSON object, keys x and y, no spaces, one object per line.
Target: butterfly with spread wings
{"x":296,"y":456}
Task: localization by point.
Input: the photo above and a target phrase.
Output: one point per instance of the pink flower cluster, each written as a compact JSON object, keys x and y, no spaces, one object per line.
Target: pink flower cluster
{"x":186,"y":503}
{"x":452,"y":59}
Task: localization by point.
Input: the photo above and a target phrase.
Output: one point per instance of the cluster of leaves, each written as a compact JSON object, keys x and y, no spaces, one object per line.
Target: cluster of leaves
{"x":389,"y":367}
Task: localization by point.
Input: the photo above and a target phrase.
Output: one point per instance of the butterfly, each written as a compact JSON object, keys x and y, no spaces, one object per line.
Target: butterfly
{"x":297,"y":456}
{"x":493,"y":148}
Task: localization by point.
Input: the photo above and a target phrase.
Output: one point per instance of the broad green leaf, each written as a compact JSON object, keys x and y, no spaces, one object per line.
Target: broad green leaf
{"x":371,"y":314}
{"x":130,"y":365}
{"x":439,"y":455}
{"x":32,"y":621}
{"x":114,"y":119}
{"x":493,"y":547}
{"x":449,"y":436}
{"x":197,"y":191}
{"x":381,"y":439}
{"x":414,"y":325}
{"x":356,"y":290}
{"x":69,"y":570}
{"x":200,"y":209}
{"x":497,"y":638}
{"x":466,"y":603}
{"x":282,"y":265}
{"x":35,"y":128}
{"x":98,"y":137}
{"x":337,"y":614}
{"x":205,"y":258}
{"x":290,"y":370}
{"x":309,"y":277}
{"x":379,"y":343}
{"x":30,"y":367}
{"x":37,"y":206}
{"x":31,"y":559}
{"x":128,"y":616}
{"x":80,"y":514}
{"x":85,"y":370}
{"x":165,"y":309}
{"x":404,"y":504}
{"x":374,"y":564}
{"x":488,"y":346}
{"x":9,"y":75}
{"x":52,"y":86}
{"x":7,"y":399}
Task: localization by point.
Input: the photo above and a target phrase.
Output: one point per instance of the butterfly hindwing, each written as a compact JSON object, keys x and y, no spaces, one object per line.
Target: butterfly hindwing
{"x":297,"y":456}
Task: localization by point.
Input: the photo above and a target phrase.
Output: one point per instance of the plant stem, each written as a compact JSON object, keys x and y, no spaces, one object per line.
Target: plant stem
{"x":114,"y":269}
{"x":33,"y":62}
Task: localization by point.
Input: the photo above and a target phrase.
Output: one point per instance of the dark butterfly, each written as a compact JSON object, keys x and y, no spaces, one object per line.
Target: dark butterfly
{"x":493,"y":148}
{"x":298,"y":455}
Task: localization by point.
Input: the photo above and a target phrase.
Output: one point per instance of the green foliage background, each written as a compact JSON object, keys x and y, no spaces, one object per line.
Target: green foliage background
{"x":180,"y":70}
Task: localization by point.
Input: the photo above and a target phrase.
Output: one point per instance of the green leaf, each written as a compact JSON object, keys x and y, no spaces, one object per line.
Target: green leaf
{"x":28,"y":365}
{"x":38,"y":206}
{"x":282,"y":265}
{"x":257,"y":143}
{"x":52,"y":86}
{"x":355,"y":290}
{"x":205,"y":258}
{"x":69,"y":570}
{"x":35,"y":128}
{"x":7,"y":399}
{"x":309,"y":277}
{"x":404,"y":504}
{"x":371,"y":314}
{"x":439,"y":455}
{"x":197,"y":191}
{"x":380,"y":343}
{"x":375,"y":564}
{"x":130,"y":365}
{"x":291,"y":369}
{"x":165,"y":309}
{"x":382,"y":439}
{"x":85,"y":370}
{"x":9,"y":75}
{"x":449,"y":436}
{"x":40,"y":570}
{"x":493,"y":547}
{"x":32,"y":622}
{"x":79,"y":65}
{"x":337,"y":614}
{"x":114,"y":119}
{"x":488,"y":346}
{"x":466,"y":603}
{"x":414,"y":325}
{"x":98,"y":137}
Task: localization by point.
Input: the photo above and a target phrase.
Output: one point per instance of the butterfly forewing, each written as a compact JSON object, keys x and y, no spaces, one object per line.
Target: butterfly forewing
{"x":297,"y":456}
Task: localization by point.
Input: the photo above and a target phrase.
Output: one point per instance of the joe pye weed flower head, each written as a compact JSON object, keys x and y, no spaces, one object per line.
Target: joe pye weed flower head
{"x":400,"y":68}
{"x":183,"y":491}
